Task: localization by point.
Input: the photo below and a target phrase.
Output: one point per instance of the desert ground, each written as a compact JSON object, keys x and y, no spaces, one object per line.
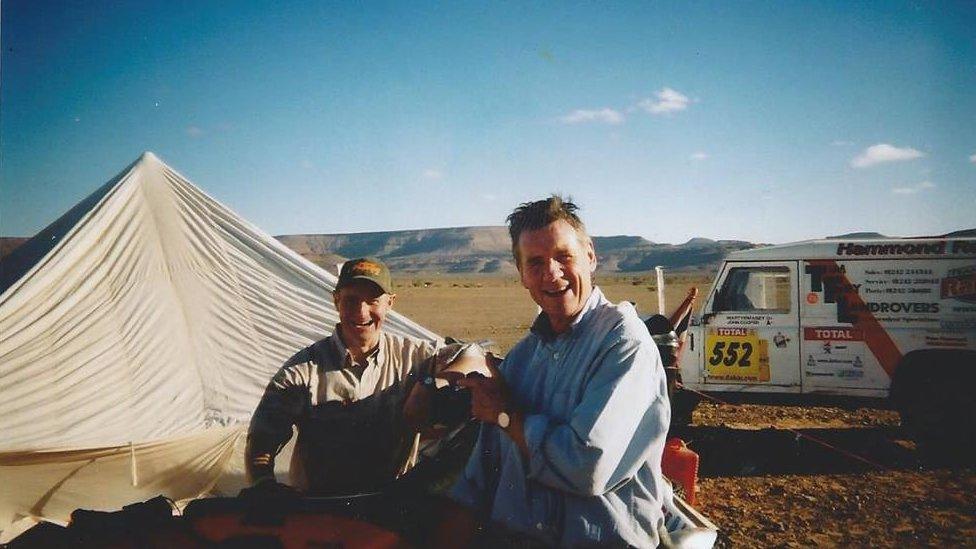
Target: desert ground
{"x":772,"y":474}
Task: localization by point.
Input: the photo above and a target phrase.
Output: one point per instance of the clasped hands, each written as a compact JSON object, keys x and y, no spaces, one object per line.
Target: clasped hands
{"x":489,"y":393}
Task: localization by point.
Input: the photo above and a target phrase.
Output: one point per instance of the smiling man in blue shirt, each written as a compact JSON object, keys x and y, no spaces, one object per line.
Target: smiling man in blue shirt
{"x":569,"y":453}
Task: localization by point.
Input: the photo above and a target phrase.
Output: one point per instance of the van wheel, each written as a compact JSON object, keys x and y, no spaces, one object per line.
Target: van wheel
{"x":925,"y":416}
{"x":932,"y":392}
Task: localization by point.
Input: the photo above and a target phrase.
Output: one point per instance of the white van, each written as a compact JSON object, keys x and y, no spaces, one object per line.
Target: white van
{"x":868,"y":318}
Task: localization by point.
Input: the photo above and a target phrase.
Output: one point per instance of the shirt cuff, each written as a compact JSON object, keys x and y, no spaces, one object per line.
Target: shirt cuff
{"x":535,"y":428}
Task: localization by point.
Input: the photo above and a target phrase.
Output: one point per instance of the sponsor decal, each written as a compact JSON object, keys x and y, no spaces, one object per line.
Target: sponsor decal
{"x":831,"y":363}
{"x":733,"y":331}
{"x":832,"y":334}
{"x":812,"y":298}
{"x":937,"y":247}
{"x":829,"y":277}
{"x":963,"y":247}
{"x":946,"y":341}
{"x":960,"y":284}
{"x":898,"y":307}
{"x":925,"y":248}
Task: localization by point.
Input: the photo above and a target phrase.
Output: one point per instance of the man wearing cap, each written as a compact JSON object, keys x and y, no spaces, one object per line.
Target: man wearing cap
{"x":345,"y":393}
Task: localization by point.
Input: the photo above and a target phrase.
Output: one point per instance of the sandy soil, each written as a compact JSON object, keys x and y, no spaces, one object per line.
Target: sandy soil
{"x":783,"y":475}
{"x":798,"y":476}
{"x":496,"y":308}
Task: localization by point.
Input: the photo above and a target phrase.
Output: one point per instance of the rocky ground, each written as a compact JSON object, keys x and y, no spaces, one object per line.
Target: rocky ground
{"x":801,"y":476}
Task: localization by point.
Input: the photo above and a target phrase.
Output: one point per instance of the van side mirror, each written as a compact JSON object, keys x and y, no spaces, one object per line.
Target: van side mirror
{"x":706,"y":317}
{"x":695,"y":320}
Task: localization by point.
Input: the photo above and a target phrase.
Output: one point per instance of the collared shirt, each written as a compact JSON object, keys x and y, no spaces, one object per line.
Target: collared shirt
{"x":350,"y":434}
{"x":596,"y":417}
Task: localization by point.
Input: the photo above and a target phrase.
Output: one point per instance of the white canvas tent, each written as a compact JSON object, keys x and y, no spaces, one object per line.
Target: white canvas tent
{"x":137,"y":333}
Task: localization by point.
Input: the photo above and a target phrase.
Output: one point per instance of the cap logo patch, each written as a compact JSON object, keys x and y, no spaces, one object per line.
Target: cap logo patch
{"x":367,"y":268}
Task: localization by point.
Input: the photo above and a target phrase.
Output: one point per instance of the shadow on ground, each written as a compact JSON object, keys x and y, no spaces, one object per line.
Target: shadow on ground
{"x":725,"y":451}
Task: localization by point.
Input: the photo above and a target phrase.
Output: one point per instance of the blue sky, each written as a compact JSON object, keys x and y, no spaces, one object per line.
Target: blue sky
{"x":763,"y":121}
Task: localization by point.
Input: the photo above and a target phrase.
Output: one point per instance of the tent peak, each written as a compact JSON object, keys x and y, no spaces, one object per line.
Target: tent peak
{"x":148,"y":156}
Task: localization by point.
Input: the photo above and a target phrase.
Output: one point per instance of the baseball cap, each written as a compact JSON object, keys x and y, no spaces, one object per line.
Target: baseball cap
{"x":366,"y":268}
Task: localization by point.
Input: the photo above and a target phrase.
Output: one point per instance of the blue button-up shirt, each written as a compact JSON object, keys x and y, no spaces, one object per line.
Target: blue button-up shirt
{"x":596,"y":416}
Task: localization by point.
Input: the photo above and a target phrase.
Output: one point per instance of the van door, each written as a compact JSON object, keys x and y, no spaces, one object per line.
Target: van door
{"x":751,"y":326}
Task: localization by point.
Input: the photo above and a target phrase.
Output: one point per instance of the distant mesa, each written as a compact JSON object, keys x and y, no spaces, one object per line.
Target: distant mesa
{"x":486,"y":250}
{"x":856,"y":236}
{"x":699,"y":242}
{"x":960,"y":234}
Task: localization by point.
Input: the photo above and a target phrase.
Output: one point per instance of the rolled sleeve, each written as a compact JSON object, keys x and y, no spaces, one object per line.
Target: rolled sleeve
{"x":280,"y":407}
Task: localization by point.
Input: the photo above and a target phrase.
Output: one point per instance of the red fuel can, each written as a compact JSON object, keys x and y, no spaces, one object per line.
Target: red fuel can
{"x":680,"y":464}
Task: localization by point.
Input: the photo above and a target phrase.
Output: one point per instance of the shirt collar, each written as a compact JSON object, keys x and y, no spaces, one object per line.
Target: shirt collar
{"x":543,"y":329}
{"x":344,"y":357}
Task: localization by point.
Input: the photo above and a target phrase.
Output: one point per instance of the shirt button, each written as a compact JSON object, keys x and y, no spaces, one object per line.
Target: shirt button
{"x":539,"y":526}
{"x":555,"y":355}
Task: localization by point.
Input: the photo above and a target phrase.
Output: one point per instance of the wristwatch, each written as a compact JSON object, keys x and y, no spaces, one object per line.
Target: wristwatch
{"x":503,"y":420}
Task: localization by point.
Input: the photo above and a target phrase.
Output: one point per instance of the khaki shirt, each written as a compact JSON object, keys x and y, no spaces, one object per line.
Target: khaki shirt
{"x":350,"y":433}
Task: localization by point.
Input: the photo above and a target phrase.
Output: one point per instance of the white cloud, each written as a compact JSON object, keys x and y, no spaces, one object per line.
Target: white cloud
{"x":307,"y":164}
{"x":606,"y":116}
{"x":432,"y":174}
{"x":972,"y":158}
{"x":668,"y":100}
{"x":883,"y":152}
{"x":841,"y":143}
{"x":194,"y":131}
{"x":698,"y":156}
{"x":915,"y":189}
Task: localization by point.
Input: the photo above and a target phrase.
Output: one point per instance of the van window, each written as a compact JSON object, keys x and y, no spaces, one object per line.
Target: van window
{"x":764,"y":289}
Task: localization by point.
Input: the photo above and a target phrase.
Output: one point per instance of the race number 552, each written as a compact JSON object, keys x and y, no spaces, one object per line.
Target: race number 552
{"x":731,"y":353}
{"x":740,"y":357}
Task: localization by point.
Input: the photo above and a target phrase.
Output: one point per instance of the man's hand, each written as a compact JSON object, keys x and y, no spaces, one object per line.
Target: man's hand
{"x":489,"y":395}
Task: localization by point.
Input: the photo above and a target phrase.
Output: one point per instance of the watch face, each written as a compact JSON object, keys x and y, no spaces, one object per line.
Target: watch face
{"x":503,"y":420}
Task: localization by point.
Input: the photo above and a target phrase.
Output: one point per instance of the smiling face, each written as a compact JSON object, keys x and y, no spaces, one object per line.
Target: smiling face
{"x":556,"y":267}
{"x":362,"y":307}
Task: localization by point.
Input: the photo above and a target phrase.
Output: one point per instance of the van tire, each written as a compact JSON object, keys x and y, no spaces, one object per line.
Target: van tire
{"x":933,"y":392}
{"x":926,"y":417}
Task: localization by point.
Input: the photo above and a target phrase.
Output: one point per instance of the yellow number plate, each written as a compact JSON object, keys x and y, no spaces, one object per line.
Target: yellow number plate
{"x":736,"y":354}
